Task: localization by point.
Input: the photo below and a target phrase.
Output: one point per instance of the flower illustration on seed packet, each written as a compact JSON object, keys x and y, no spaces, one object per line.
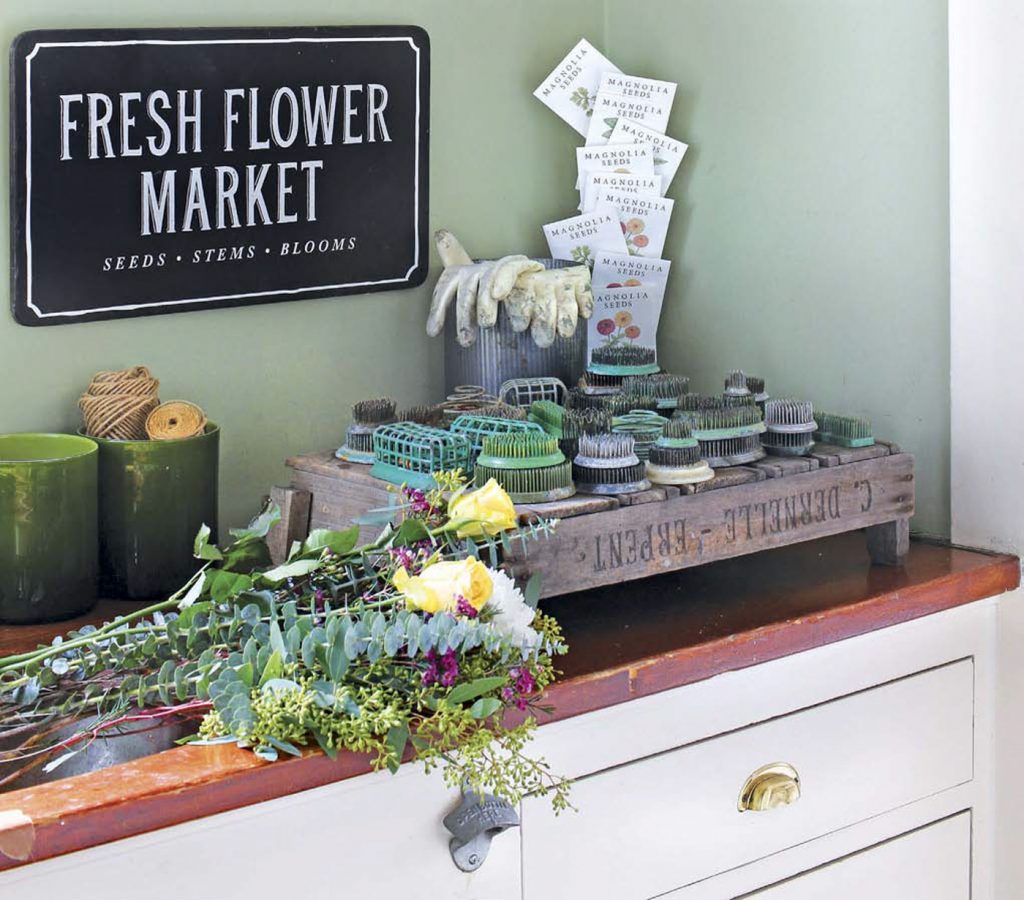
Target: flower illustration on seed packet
{"x":618,"y":329}
{"x":632,"y":230}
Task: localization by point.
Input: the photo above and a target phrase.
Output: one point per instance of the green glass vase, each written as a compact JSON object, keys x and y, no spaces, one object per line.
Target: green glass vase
{"x":48,"y":527}
{"x":154,"y":496}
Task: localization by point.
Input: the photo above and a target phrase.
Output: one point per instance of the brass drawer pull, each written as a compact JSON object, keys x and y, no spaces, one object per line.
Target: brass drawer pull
{"x":769,"y":787}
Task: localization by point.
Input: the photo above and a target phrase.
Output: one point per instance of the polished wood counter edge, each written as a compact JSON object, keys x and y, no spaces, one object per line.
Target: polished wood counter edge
{"x":626,"y":641}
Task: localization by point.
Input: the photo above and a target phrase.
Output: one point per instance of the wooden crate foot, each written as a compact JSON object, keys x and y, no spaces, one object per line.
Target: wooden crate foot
{"x":294,"y":525}
{"x":889,"y":543}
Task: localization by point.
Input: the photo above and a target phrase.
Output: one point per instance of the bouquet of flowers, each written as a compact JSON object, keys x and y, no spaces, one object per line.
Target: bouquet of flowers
{"x":411,"y":647}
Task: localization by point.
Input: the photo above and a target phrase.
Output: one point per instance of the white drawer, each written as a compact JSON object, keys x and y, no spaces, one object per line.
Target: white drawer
{"x":931,"y":863}
{"x":666,"y":821}
{"x":377,"y":836}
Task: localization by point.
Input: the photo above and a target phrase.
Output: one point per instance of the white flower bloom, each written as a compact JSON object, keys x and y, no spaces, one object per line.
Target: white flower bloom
{"x":512,"y":615}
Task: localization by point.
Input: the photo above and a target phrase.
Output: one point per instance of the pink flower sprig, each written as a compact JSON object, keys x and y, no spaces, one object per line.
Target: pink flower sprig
{"x":441,"y":670}
{"x":523,"y":685}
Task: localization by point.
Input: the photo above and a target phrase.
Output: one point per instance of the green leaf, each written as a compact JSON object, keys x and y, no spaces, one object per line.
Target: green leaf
{"x":332,"y":752}
{"x":340,"y":542}
{"x":261,"y":525}
{"x":225,"y":585}
{"x":410,"y":532}
{"x":249,"y":653}
{"x":247,"y":556}
{"x":473,"y":689}
{"x":308,"y":651}
{"x":263,"y":600}
{"x":279,"y":686}
{"x":202,"y":548}
{"x":28,"y":693}
{"x":397,"y":738}
{"x":180,"y":683}
{"x":245,"y":672}
{"x":531,"y":592}
{"x":212,"y":742}
{"x":484,"y":707}
{"x":356,"y":639}
{"x":273,"y":669}
{"x":294,"y":569}
{"x":283,"y":746}
{"x":164,"y":679}
{"x":277,"y":640}
{"x":337,"y":660}
{"x":394,"y":638}
{"x":267,"y":753}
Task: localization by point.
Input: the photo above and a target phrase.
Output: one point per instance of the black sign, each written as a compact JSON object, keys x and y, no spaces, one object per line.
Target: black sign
{"x":169,"y":170}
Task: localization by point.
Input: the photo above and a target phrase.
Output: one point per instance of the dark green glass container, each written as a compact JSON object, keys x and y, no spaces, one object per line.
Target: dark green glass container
{"x":48,"y":527}
{"x":154,"y":496}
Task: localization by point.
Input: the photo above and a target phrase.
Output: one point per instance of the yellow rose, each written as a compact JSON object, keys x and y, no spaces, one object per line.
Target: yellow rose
{"x":438,"y":587}
{"x":487,"y":510}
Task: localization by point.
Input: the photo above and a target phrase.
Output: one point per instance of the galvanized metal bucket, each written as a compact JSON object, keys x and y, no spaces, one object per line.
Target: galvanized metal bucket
{"x":131,"y":740}
{"x":500,"y":353}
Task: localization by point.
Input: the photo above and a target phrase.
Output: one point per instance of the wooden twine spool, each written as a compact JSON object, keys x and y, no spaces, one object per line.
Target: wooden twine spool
{"x":116,"y":404}
{"x":175,"y":420}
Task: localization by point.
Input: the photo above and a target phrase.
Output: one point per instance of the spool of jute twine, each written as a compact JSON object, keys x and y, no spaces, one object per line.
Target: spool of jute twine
{"x":175,"y":420}
{"x":137,"y":381}
{"x":116,"y":404}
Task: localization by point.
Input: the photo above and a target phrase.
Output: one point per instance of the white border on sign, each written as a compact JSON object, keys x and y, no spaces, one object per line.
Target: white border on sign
{"x":124,"y":307}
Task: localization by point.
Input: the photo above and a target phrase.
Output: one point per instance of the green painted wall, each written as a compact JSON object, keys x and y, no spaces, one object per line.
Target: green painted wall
{"x":280,"y":378}
{"x":810,"y":240}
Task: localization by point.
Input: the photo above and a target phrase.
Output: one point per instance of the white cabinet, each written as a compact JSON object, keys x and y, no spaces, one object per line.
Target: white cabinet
{"x":669,"y":820}
{"x":889,"y":734}
{"x":375,"y":836}
{"x":931,"y":863}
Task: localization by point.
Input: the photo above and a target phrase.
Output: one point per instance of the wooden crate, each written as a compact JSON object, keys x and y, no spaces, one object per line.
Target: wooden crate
{"x":601,"y":540}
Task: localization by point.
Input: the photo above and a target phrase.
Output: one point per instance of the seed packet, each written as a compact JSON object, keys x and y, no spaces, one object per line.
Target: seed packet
{"x":601,"y":179}
{"x":644,"y":220}
{"x":570,"y":90}
{"x":617,"y":270}
{"x":625,"y":316}
{"x":634,"y":159}
{"x":578,"y":238}
{"x":668,"y":152}
{"x":644,"y":100}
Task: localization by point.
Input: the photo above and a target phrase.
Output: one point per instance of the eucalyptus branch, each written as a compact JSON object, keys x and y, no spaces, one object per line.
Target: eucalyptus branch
{"x":323,"y":648}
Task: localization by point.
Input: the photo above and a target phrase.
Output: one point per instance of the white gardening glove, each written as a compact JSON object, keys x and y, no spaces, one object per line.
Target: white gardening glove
{"x":456,"y":260}
{"x":497,"y":283}
{"x":548,"y":302}
{"x":477,"y":289}
{"x":579,"y":276}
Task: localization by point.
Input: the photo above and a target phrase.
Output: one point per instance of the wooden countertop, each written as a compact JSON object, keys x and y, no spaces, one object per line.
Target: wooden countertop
{"x":625,"y":640}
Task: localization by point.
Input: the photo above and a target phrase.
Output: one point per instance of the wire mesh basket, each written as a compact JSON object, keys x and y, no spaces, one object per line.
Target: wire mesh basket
{"x":408,"y":453}
{"x":524,"y":391}
{"x":476,"y":428}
